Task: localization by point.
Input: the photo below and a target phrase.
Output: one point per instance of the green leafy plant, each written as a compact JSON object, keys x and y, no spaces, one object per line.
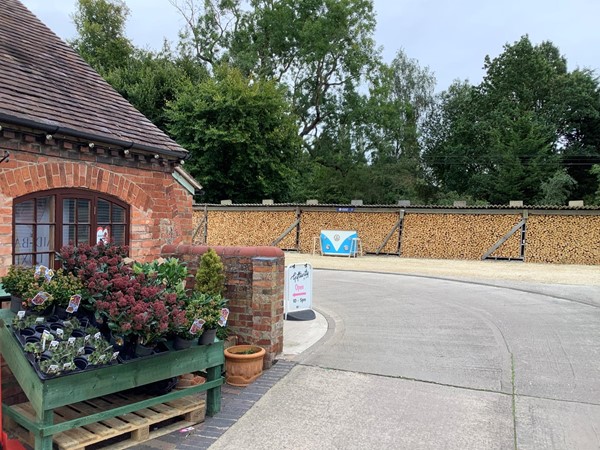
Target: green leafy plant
{"x":210,"y":277}
{"x":18,"y":280}
{"x":62,"y":286}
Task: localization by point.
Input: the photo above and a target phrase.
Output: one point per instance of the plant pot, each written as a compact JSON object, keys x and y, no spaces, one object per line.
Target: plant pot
{"x":61,"y":312}
{"x":16,"y":304}
{"x":243,"y":368}
{"x":143,"y":350}
{"x":77,"y":333}
{"x":80,"y":362}
{"x":180,"y":343}
{"x":27,"y":332}
{"x":208,"y":337}
{"x":41,"y":328}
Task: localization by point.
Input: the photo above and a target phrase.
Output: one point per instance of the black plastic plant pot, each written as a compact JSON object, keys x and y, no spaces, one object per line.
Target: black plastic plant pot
{"x":41,"y":328}
{"x":88,"y":350}
{"x":56,"y":325}
{"x":84,"y":322}
{"x":78,"y":333}
{"x":27,"y":332}
{"x":61,"y":312}
{"x":180,"y":343}
{"x":81,"y":363}
{"x":33,"y":339}
{"x":52,"y":319}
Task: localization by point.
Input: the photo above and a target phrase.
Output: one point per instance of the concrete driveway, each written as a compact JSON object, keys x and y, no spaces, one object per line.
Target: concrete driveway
{"x":423,"y":363}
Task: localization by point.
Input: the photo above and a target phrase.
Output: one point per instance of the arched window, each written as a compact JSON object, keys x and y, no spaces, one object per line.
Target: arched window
{"x":45,"y":221}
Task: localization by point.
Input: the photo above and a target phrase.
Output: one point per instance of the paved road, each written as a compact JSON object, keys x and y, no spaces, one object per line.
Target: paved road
{"x":425,"y":363}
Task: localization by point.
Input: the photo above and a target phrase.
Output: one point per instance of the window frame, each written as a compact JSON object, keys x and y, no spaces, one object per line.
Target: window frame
{"x":61,"y":194}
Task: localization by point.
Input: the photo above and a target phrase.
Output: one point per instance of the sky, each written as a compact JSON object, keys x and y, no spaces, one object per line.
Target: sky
{"x":452,"y":38}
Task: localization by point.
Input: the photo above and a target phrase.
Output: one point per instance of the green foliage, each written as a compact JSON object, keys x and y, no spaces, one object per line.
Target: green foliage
{"x":101,"y":40}
{"x":242,"y":137}
{"x":170,"y":273}
{"x":595,"y":170}
{"x":18,"y":280}
{"x":206,"y":307}
{"x":62,"y":286}
{"x":507,"y":138}
{"x":556,"y":189}
{"x":210,"y":277}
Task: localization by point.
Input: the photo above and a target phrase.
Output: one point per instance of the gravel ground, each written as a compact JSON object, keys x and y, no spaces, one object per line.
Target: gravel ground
{"x":484,"y":271}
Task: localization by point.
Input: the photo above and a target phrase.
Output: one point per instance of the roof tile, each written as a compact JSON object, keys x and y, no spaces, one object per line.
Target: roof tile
{"x":44,"y":80}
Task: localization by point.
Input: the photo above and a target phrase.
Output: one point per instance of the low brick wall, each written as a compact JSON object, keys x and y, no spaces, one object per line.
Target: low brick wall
{"x":254,"y":282}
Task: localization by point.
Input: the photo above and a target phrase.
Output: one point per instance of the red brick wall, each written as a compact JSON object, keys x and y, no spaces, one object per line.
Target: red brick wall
{"x":161,"y":209}
{"x":254,"y":282}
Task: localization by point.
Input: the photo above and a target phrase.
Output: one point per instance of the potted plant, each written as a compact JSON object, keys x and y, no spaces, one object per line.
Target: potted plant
{"x":17,"y":281}
{"x":64,"y":287}
{"x":211,"y":311}
{"x":208,"y":302}
{"x":243,"y":364}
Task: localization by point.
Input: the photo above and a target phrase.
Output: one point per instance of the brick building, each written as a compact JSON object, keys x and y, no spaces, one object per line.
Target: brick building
{"x":79,"y":163}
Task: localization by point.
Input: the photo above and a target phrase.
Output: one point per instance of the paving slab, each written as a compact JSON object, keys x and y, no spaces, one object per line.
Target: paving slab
{"x":551,"y":424}
{"x":329,"y":409}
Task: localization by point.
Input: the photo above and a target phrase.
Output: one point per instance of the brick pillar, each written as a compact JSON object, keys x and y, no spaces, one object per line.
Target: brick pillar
{"x":254,"y":281}
{"x":267,"y":305}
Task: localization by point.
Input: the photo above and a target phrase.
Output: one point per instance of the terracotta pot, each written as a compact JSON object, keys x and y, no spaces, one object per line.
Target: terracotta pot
{"x":242,"y":368}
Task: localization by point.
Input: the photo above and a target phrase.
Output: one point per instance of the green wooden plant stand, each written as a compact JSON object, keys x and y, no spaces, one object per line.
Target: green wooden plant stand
{"x":46,"y":395}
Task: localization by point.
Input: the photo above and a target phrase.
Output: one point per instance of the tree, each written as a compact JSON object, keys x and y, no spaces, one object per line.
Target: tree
{"x":241,"y":134}
{"x":556,"y":190}
{"x":502,"y":139}
{"x":101,"y":40}
{"x":317,"y":49}
{"x":149,"y":81}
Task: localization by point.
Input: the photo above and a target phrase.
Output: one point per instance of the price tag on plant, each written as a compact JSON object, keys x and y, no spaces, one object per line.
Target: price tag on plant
{"x":224,"y":316}
{"x":114,"y":356}
{"x":74,"y":302}
{"x":54,"y":345}
{"x":40,"y":298}
{"x":71,"y":341}
{"x":102,"y":358}
{"x":53,"y":369}
{"x":40,"y":320}
{"x":40,"y":271}
{"x":47,"y":336}
{"x":81,"y":351}
{"x":98,"y":335}
{"x":59,"y":332}
{"x":21,"y":314}
{"x":68,"y":366}
{"x":67,"y":323}
{"x":197,"y":326}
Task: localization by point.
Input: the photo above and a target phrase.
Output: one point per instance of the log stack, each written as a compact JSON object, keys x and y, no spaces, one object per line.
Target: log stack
{"x":563,"y":239}
{"x":458,"y":236}
{"x":250,"y":228}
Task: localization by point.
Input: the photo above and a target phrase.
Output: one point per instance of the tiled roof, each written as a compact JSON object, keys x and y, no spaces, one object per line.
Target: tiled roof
{"x":43,"y":80}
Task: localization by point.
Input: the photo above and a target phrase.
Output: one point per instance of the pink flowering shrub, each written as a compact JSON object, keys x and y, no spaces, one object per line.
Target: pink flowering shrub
{"x":130,"y":304}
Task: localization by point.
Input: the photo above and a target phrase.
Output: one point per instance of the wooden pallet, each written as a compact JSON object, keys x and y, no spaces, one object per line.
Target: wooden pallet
{"x":128,"y":429}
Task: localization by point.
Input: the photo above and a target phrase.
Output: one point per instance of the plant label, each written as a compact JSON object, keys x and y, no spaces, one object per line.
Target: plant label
{"x":71,"y":341}
{"x":224,"y":316}
{"x":67,"y":324}
{"x":74,"y":302}
{"x":53,"y":345}
{"x":53,"y":369}
{"x":80,"y":351}
{"x":98,"y":335}
{"x":114,"y":356}
{"x":68,"y":366}
{"x":21,"y":314}
{"x":87,"y":338}
{"x":40,"y":298}
{"x":40,"y":320}
{"x":197,"y":326}
{"x":59,"y":332}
